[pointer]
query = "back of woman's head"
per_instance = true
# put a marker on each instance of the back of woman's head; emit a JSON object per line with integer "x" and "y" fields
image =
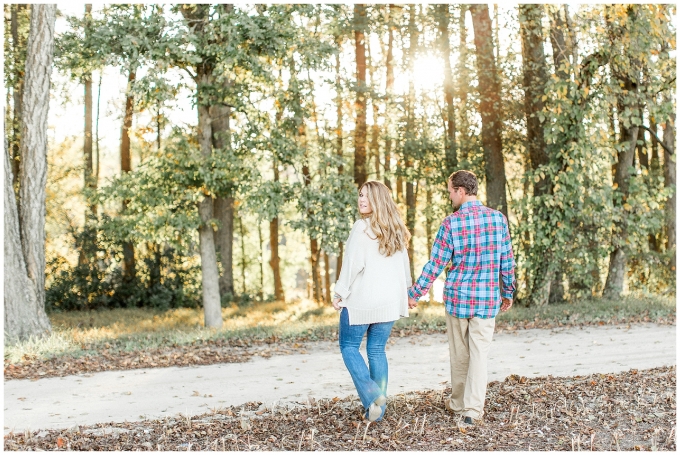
{"x": 385, "y": 219}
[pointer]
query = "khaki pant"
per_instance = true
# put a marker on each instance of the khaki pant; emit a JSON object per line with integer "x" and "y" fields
{"x": 469, "y": 343}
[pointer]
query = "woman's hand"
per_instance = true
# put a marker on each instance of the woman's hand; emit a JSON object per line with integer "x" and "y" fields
{"x": 336, "y": 303}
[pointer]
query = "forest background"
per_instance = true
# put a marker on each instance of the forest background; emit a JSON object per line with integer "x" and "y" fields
{"x": 209, "y": 155}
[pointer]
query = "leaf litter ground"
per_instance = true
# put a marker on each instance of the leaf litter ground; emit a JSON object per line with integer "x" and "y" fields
{"x": 634, "y": 410}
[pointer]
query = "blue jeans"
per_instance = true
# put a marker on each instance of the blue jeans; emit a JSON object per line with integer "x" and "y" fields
{"x": 371, "y": 381}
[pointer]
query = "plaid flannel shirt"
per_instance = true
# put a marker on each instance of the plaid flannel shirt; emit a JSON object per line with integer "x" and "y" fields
{"x": 476, "y": 240}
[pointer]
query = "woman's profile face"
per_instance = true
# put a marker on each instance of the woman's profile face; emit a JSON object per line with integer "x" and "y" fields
{"x": 364, "y": 205}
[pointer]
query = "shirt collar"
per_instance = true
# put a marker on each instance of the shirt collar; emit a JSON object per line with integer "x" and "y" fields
{"x": 470, "y": 204}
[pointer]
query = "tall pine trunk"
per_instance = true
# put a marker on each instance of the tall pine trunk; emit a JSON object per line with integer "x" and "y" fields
{"x": 129, "y": 265}
{"x": 463, "y": 84}
{"x": 489, "y": 109}
{"x": 360, "y": 103}
{"x": 339, "y": 140}
{"x": 24, "y": 282}
{"x": 450, "y": 155}
{"x": 389, "y": 84}
{"x": 375, "y": 129}
{"x": 410, "y": 128}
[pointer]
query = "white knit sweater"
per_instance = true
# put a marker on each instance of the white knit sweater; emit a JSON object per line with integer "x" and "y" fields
{"x": 373, "y": 287}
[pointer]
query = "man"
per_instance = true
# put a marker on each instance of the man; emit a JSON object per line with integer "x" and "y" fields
{"x": 476, "y": 239}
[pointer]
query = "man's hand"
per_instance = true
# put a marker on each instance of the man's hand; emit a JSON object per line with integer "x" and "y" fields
{"x": 412, "y": 303}
{"x": 506, "y": 305}
{"x": 336, "y": 303}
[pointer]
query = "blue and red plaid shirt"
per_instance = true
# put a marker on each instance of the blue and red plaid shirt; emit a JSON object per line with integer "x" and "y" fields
{"x": 476, "y": 239}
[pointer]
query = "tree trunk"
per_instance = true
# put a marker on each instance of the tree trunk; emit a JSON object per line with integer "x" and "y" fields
{"x": 654, "y": 162}
{"x": 410, "y": 128}
{"x": 199, "y": 16}
{"x": 669, "y": 180}
{"x": 209, "y": 271}
{"x": 88, "y": 173}
{"x": 389, "y": 84}
{"x": 129, "y": 264}
{"x": 463, "y": 85}
{"x": 314, "y": 250}
{"x": 242, "y": 237}
{"x": 95, "y": 180}
{"x": 275, "y": 261}
{"x": 24, "y": 314}
{"x": 535, "y": 79}
{"x": 572, "y": 43}
{"x": 400, "y": 181}
{"x": 360, "y": 103}
{"x": 17, "y": 91}
{"x": 375, "y": 130}
{"x": 489, "y": 109}
{"x": 25, "y": 230}
{"x": 260, "y": 293}
{"x": 339, "y": 137}
{"x": 617, "y": 260}
{"x": 628, "y": 109}
{"x": 223, "y": 205}
{"x": 558, "y": 41}
{"x": 450, "y": 142}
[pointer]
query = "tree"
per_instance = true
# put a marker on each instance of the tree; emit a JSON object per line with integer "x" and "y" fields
{"x": 18, "y": 18}
{"x": 410, "y": 142}
{"x": 220, "y": 113}
{"x": 360, "y": 27}
{"x": 88, "y": 168}
{"x": 489, "y": 109}
{"x": 628, "y": 109}
{"x": 450, "y": 117}
{"x": 389, "y": 85}
{"x": 198, "y": 19}
{"x": 535, "y": 80}
{"x": 25, "y": 231}
{"x": 129, "y": 268}
{"x": 670, "y": 179}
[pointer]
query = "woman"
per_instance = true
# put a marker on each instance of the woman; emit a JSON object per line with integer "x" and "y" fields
{"x": 371, "y": 292}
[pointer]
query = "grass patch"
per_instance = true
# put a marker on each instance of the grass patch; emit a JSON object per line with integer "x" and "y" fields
{"x": 80, "y": 333}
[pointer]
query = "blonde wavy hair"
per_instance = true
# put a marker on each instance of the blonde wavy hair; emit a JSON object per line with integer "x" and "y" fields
{"x": 385, "y": 219}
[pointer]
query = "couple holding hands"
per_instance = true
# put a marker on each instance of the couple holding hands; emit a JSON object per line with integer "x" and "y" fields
{"x": 374, "y": 290}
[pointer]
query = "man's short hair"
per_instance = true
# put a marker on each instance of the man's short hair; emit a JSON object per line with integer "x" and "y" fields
{"x": 466, "y": 180}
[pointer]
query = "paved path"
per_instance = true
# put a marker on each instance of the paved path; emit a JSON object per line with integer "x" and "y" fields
{"x": 416, "y": 363}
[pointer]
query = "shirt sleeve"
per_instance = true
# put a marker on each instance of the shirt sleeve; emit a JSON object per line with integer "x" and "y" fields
{"x": 353, "y": 262}
{"x": 441, "y": 253}
{"x": 507, "y": 264}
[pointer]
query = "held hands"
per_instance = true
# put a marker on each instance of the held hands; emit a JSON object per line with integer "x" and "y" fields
{"x": 506, "y": 305}
{"x": 336, "y": 303}
{"x": 412, "y": 303}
